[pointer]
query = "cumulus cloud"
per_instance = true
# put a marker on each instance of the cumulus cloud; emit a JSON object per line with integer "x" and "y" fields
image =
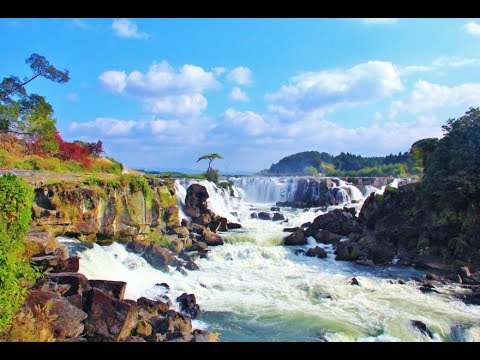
{"x": 378, "y": 21}
{"x": 426, "y": 96}
{"x": 163, "y": 89}
{"x": 327, "y": 90}
{"x": 472, "y": 28}
{"x": 239, "y": 95}
{"x": 240, "y": 75}
{"x": 128, "y": 29}
{"x": 251, "y": 122}
{"x": 219, "y": 70}
{"x": 107, "y": 126}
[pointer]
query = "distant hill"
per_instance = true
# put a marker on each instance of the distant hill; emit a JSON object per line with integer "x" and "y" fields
{"x": 344, "y": 164}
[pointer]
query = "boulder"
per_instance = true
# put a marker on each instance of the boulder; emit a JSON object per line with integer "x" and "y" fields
{"x": 264, "y": 216}
{"x": 234, "y": 225}
{"x": 135, "y": 247}
{"x": 420, "y": 325}
{"x": 254, "y": 215}
{"x": 114, "y": 288}
{"x": 291, "y": 230}
{"x": 196, "y": 200}
{"x": 188, "y": 304}
{"x": 317, "y": 251}
{"x": 176, "y": 245}
{"x": 296, "y": 238}
{"x": 68, "y": 322}
{"x": 151, "y": 306}
{"x": 191, "y": 265}
{"x": 109, "y": 319}
{"x": 353, "y": 281}
{"x": 181, "y": 231}
{"x": 144, "y": 328}
{"x": 275, "y": 208}
{"x": 326, "y": 237}
{"x": 200, "y": 336}
{"x": 367, "y": 262}
{"x": 212, "y": 239}
{"x": 336, "y": 221}
{"x": 159, "y": 257}
{"x": 172, "y": 321}
{"x": 278, "y": 216}
{"x": 78, "y": 282}
{"x": 72, "y": 264}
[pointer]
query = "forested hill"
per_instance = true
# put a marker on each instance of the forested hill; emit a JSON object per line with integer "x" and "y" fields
{"x": 345, "y": 164}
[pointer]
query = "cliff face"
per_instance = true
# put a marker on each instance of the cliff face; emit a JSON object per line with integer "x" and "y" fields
{"x": 105, "y": 211}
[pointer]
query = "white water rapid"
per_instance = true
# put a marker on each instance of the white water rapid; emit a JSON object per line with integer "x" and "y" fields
{"x": 255, "y": 289}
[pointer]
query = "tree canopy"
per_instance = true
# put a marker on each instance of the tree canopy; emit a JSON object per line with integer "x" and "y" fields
{"x": 210, "y": 158}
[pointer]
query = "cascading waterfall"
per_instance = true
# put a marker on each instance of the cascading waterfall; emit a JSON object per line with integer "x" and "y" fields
{"x": 254, "y": 289}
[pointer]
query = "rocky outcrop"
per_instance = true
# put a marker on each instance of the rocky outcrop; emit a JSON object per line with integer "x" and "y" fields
{"x": 296, "y": 238}
{"x": 127, "y": 208}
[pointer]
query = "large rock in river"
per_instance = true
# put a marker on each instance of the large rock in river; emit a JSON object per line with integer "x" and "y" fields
{"x": 296, "y": 238}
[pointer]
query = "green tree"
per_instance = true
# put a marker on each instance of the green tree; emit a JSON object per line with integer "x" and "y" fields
{"x": 24, "y": 114}
{"x": 421, "y": 151}
{"x": 16, "y": 198}
{"x": 210, "y": 158}
{"x": 310, "y": 171}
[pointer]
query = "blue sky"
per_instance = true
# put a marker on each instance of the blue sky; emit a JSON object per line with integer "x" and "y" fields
{"x": 162, "y": 92}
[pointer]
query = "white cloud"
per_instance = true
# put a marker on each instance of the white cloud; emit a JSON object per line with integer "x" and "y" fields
{"x": 323, "y": 91}
{"x": 163, "y": 89}
{"x": 219, "y": 70}
{"x": 239, "y": 95}
{"x": 427, "y": 96}
{"x": 438, "y": 63}
{"x": 128, "y": 29}
{"x": 107, "y": 126}
{"x": 73, "y": 97}
{"x": 378, "y": 21}
{"x": 241, "y": 75}
{"x": 472, "y": 28}
{"x": 252, "y": 123}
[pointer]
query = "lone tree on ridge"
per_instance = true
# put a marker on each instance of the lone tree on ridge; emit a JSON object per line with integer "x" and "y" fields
{"x": 210, "y": 158}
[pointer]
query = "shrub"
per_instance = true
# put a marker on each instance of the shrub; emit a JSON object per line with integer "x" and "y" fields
{"x": 32, "y": 326}
{"x": 16, "y": 199}
{"x": 212, "y": 175}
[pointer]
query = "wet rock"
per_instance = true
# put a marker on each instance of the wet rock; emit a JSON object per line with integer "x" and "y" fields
{"x": 151, "y": 306}
{"x": 176, "y": 245}
{"x": 159, "y": 257}
{"x": 135, "y": 247}
{"x": 188, "y": 304}
{"x": 299, "y": 252}
{"x": 326, "y": 237}
{"x": 416, "y": 278}
{"x": 78, "y": 283}
{"x": 296, "y": 238}
{"x": 212, "y": 239}
{"x": 178, "y": 336}
{"x": 420, "y": 325}
{"x": 430, "y": 276}
{"x": 181, "y": 271}
{"x": 197, "y": 246}
{"x": 181, "y": 231}
{"x": 264, "y": 216}
{"x": 401, "y": 281}
{"x": 291, "y": 229}
{"x": 114, "y": 288}
{"x": 306, "y": 225}
{"x": 254, "y": 215}
{"x": 317, "y": 251}
{"x": 134, "y": 339}
{"x": 275, "y": 208}
{"x": 109, "y": 319}
{"x": 234, "y": 226}
{"x": 196, "y": 200}
{"x": 144, "y": 328}
{"x": 165, "y": 285}
{"x": 191, "y": 266}
{"x": 426, "y": 290}
{"x": 200, "y": 336}
{"x": 367, "y": 262}
{"x": 336, "y": 221}
{"x": 185, "y": 223}
{"x": 464, "y": 272}
{"x": 353, "y": 281}
{"x": 278, "y": 216}
{"x": 172, "y": 321}
{"x": 72, "y": 264}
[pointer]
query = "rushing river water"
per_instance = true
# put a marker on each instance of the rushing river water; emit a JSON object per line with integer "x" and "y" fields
{"x": 254, "y": 289}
